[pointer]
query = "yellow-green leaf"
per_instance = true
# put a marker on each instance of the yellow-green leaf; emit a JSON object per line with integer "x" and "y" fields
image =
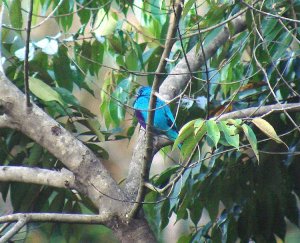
{"x": 185, "y": 132}
{"x": 44, "y": 91}
{"x": 235, "y": 122}
{"x": 267, "y": 129}
{"x": 198, "y": 125}
{"x": 191, "y": 142}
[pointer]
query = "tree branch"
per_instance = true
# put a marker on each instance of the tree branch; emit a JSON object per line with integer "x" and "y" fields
{"x": 54, "y": 218}
{"x": 79, "y": 159}
{"x": 14, "y": 230}
{"x": 261, "y": 111}
{"x": 26, "y": 62}
{"x": 70, "y": 151}
{"x": 5, "y": 121}
{"x": 173, "y": 84}
{"x": 86, "y": 167}
{"x": 140, "y": 164}
{"x": 60, "y": 179}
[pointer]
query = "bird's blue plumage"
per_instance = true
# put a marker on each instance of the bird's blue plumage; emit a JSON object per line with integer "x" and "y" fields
{"x": 164, "y": 122}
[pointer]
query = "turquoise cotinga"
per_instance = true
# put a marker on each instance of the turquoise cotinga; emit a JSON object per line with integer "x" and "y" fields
{"x": 164, "y": 122}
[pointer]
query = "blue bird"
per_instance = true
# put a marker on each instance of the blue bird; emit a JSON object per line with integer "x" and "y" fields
{"x": 164, "y": 122}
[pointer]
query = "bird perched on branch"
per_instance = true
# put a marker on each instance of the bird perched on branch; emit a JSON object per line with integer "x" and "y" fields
{"x": 164, "y": 122}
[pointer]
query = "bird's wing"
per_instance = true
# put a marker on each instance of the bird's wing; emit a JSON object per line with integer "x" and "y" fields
{"x": 167, "y": 124}
{"x": 141, "y": 105}
{"x": 170, "y": 118}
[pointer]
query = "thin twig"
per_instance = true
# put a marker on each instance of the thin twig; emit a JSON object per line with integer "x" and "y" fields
{"x": 37, "y": 25}
{"x": 26, "y": 62}
{"x": 205, "y": 64}
{"x": 269, "y": 14}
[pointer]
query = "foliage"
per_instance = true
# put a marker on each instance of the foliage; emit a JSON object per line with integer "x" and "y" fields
{"x": 226, "y": 168}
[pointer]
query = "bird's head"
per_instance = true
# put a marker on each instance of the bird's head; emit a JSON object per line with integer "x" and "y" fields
{"x": 144, "y": 91}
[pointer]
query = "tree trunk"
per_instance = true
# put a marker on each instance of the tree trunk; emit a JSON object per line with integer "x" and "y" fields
{"x": 137, "y": 231}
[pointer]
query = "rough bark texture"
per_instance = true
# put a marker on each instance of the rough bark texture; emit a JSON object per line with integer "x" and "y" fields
{"x": 91, "y": 177}
{"x": 136, "y": 231}
{"x": 87, "y": 168}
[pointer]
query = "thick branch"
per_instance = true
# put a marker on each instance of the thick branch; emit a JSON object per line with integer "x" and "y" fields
{"x": 133, "y": 179}
{"x": 173, "y": 84}
{"x": 135, "y": 231}
{"x": 60, "y": 179}
{"x": 5, "y": 121}
{"x": 37, "y": 125}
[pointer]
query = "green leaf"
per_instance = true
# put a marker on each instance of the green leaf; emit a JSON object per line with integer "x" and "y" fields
{"x": 43, "y": 91}
{"x": 105, "y": 112}
{"x": 57, "y": 203}
{"x": 97, "y": 49}
{"x": 268, "y": 28}
{"x": 230, "y": 134}
{"x": 202, "y": 233}
{"x": 84, "y": 16}
{"x": 191, "y": 142}
{"x": 98, "y": 150}
{"x": 153, "y": 62}
{"x": 196, "y": 210}
{"x": 105, "y": 24}
{"x": 198, "y": 125}
{"x": 67, "y": 96}
{"x": 62, "y": 69}
{"x": 251, "y": 138}
{"x": 18, "y": 193}
{"x": 131, "y": 61}
{"x": 186, "y": 131}
{"x": 235, "y": 122}
{"x": 185, "y": 238}
{"x": 95, "y": 126}
{"x": 15, "y": 14}
{"x": 165, "y": 208}
{"x": 267, "y": 129}
{"x": 35, "y": 9}
{"x": 65, "y": 8}
{"x": 213, "y": 131}
{"x": 119, "y": 98}
{"x": 225, "y": 78}
{"x": 45, "y": 5}
{"x": 165, "y": 175}
{"x": 35, "y": 155}
{"x": 280, "y": 48}
{"x": 187, "y": 6}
